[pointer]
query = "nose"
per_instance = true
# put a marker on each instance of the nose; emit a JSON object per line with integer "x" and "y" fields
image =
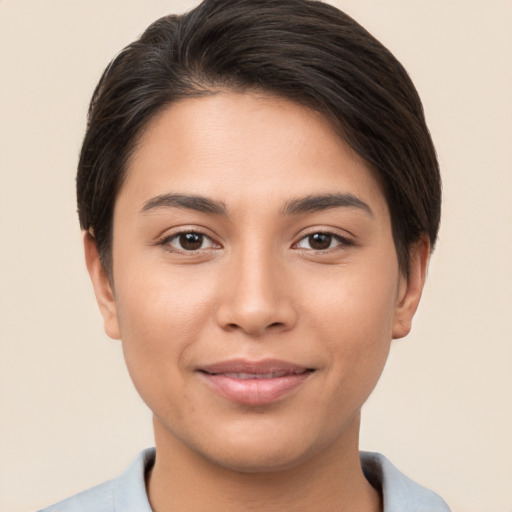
{"x": 255, "y": 295}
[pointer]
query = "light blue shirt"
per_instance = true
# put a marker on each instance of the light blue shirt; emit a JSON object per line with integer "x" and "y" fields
{"x": 127, "y": 492}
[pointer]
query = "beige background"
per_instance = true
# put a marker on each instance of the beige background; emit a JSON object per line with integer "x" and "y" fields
{"x": 69, "y": 417}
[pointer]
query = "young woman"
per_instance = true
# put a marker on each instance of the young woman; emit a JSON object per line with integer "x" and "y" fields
{"x": 259, "y": 196}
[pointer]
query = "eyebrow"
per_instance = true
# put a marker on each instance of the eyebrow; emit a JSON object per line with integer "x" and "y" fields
{"x": 310, "y": 203}
{"x": 190, "y": 202}
{"x": 324, "y": 202}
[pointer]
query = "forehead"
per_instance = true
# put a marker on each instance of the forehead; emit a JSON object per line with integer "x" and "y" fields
{"x": 244, "y": 149}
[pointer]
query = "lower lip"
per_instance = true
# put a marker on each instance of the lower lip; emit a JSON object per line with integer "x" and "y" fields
{"x": 254, "y": 391}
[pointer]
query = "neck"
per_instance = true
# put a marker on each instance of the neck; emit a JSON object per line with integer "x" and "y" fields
{"x": 331, "y": 481}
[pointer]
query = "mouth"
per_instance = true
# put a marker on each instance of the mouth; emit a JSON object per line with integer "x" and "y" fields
{"x": 254, "y": 382}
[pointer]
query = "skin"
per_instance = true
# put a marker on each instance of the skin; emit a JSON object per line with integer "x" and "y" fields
{"x": 255, "y": 288}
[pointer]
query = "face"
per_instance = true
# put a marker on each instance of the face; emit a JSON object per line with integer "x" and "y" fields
{"x": 255, "y": 284}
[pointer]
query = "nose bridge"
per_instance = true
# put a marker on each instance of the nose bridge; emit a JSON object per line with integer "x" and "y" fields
{"x": 255, "y": 296}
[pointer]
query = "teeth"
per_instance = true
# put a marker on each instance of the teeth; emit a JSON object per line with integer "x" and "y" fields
{"x": 246, "y": 376}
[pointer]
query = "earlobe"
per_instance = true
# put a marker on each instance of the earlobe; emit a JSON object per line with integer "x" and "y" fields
{"x": 411, "y": 288}
{"x": 102, "y": 287}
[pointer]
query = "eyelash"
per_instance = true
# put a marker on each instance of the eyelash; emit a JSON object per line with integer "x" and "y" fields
{"x": 342, "y": 242}
{"x": 166, "y": 241}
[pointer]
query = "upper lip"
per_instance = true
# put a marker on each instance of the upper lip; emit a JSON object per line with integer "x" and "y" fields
{"x": 265, "y": 366}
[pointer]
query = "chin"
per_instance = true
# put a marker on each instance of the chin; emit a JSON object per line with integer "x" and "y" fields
{"x": 258, "y": 459}
{"x": 267, "y": 449}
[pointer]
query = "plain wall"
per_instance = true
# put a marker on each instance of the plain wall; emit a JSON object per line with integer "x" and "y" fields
{"x": 69, "y": 416}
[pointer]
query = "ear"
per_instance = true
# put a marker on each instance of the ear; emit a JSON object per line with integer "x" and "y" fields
{"x": 411, "y": 287}
{"x": 102, "y": 287}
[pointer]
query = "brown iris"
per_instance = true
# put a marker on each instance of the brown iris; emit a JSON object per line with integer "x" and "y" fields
{"x": 320, "y": 241}
{"x": 191, "y": 241}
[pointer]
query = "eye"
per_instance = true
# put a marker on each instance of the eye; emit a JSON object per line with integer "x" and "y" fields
{"x": 322, "y": 242}
{"x": 189, "y": 241}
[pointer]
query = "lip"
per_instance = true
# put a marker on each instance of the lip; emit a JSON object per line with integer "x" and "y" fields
{"x": 254, "y": 382}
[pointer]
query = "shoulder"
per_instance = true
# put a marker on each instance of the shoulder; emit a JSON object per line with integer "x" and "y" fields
{"x": 399, "y": 493}
{"x": 97, "y": 499}
{"x": 126, "y": 493}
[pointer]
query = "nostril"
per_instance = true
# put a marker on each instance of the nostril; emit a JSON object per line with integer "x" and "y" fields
{"x": 252, "y": 330}
{"x": 254, "y": 317}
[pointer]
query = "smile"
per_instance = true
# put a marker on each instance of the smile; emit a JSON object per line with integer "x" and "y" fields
{"x": 254, "y": 383}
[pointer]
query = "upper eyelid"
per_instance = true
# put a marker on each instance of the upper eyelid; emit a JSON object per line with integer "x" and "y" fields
{"x": 343, "y": 240}
{"x": 339, "y": 233}
{"x": 168, "y": 238}
{"x": 169, "y": 234}
{"x": 167, "y": 243}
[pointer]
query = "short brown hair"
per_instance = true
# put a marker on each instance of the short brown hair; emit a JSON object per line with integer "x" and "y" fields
{"x": 306, "y": 51}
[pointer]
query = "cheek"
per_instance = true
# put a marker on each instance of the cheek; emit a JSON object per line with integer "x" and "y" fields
{"x": 160, "y": 314}
{"x": 156, "y": 300}
{"x": 357, "y": 301}
{"x": 353, "y": 316}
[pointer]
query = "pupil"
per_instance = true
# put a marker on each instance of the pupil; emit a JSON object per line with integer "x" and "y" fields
{"x": 191, "y": 241}
{"x": 320, "y": 241}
